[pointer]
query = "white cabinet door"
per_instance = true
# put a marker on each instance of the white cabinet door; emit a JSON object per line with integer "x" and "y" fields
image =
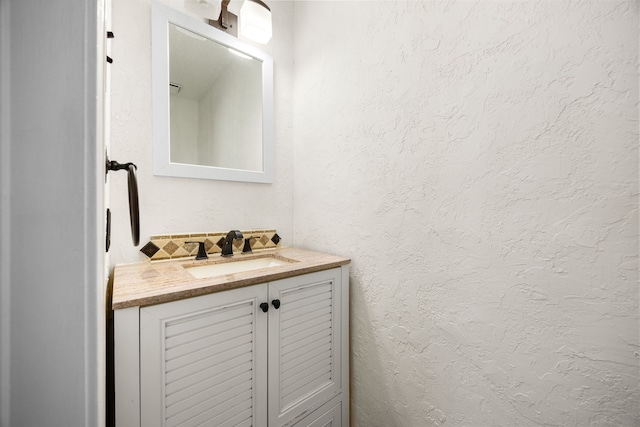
{"x": 323, "y": 417}
{"x": 304, "y": 344}
{"x": 203, "y": 361}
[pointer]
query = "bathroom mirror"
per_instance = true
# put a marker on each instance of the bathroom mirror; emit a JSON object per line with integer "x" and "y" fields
{"x": 212, "y": 102}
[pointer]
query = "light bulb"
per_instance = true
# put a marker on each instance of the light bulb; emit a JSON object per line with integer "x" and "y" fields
{"x": 255, "y": 21}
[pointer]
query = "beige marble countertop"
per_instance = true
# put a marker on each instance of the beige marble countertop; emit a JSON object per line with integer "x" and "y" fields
{"x": 156, "y": 282}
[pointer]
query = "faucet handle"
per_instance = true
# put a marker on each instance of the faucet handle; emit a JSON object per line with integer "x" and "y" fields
{"x": 247, "y": 245}
{"x": 202, "y": 252}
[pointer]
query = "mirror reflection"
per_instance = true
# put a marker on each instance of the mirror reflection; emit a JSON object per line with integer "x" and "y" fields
{"x": 215, "y": 103}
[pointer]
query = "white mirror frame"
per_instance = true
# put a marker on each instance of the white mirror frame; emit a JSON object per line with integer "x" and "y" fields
{"x": 161, "y": 16}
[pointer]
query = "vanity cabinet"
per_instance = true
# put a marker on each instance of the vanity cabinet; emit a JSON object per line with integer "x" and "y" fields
{"x": 267, "y": 355}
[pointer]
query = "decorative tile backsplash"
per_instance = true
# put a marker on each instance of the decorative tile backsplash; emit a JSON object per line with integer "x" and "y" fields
{"x": 170, "y": 246}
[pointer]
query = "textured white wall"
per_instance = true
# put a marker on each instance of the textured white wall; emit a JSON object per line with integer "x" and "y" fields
{"x": 179, "y": 205}
{"x": 479, "y": 163}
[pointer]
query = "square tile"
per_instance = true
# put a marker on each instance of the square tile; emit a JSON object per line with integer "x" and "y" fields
{"x": 149, "y": 249}
{"x": 170, "y": 247}
{"x": 275, "y": 239}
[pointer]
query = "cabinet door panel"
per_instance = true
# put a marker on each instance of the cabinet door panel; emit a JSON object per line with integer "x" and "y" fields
{"x": 295, "y": 368}
{"x": 203, "y": 360}
{"x": 304, "y": 344}
{"x": 313, "y": 345}
{"x": 204, "y": 347}
{"x": 305, "y": 384}
{"x": 315, "y": 305}
{"x": 323, "y": 418}
{"x": 231, "y": 370}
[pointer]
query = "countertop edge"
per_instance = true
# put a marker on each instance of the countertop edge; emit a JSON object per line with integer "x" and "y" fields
{"x": 229, "y": 284}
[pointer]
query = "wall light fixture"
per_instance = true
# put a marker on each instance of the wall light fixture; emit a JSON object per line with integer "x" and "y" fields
{"x": 255, "y": 21}
{"x": 253, "y": 17}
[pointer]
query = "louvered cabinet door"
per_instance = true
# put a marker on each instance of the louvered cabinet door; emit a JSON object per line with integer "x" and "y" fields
{"x": 203, "y": 361}
{"x": 304, "y": 344}
{"x": 323, "y": 417}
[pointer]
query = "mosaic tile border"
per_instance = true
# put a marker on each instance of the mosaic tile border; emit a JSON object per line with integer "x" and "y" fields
{"x": 170, "y": 246}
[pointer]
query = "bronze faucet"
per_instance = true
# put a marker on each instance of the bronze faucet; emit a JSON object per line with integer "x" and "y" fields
{"x": 227, "y": 249}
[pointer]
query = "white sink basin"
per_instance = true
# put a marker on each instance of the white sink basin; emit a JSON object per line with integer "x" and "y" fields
{"x": 236, "y": 266}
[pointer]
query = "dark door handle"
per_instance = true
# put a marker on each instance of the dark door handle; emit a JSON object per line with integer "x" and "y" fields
{"x": 264, "y": 306}
{"x": 108, "y": 237}
{"x": 134, "y": 208}
{"x": 276, "y": 303}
